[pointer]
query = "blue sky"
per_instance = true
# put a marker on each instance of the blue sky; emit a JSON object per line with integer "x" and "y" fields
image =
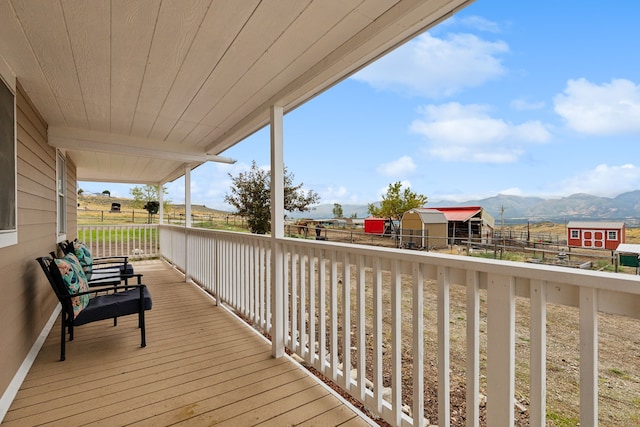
{"x": 521, "y": 98}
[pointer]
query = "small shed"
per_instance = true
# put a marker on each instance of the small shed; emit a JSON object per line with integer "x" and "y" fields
{"x": 468, "y": 223}
{"x": 628, "y": 255}
{"x": 596, "y": 234}
{"x": 374, "y": 225}
{"x": 423, "y": 228}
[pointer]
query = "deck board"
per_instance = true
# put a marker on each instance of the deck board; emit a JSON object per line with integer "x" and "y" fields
{"x": 201, "y": 366}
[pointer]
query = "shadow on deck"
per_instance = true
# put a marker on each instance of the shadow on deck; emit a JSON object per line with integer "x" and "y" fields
{"x": 201, "y": 366}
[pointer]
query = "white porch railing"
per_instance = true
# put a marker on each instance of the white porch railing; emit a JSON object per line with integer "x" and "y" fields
{"x": 137, "y": 241}
{"x": 363, "y": 308}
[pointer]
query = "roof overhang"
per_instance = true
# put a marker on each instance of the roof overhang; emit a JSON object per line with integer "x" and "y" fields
{"x": 138, "y": 91}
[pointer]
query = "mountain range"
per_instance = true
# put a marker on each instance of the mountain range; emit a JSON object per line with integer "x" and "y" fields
{"x": 519, "y": 209}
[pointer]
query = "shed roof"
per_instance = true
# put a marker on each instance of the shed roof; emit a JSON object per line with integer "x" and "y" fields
{"x": 628, "y": 248}
{"x": 430, "y": 216}
{"x": 460, "y": 213}
{"x": 596, "y": 224}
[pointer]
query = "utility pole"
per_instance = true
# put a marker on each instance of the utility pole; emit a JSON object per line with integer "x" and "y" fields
{"x": 502, "y": 226}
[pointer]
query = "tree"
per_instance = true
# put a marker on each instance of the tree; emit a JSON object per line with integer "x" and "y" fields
{"x": 106, "y": 193}
{"x": 148, "y": 193}
{"x": 337, "y": 210}
{"x": 80, "y": 191}
{"x": 396, "y": 202}
{"x": 251, "y": 197}
{"x": 152, "y": 206}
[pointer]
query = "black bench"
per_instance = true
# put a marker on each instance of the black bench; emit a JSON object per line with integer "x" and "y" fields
{"x": 108, "y": 302}
{"x": 100, "y": 267}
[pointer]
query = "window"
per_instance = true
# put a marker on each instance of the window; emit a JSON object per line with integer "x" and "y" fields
{"x": 612, "y": 235}
{"x": 8, "y": 181}
{"x": 575, "y": 234}
{"x": 61, "y": 191}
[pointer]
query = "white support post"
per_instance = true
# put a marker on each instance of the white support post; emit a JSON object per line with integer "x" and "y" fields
{"x": 473, "y": 348}
{"x": 187, "y": 220}
{"x": 418, "y": 344}
{"x": 444, "y": 348}
{"x": 277, "y": 232}
{"x": 187, "y": 197}
{"x": 538, "y": 356}
{"x": 501, "y": 313}
{"x": 396, "y": 342}
{"x": 588, "y": 357}
{"x": 160, "y": 204}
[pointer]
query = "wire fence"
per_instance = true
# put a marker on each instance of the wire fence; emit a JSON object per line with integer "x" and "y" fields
{"x": 140, "y": 216}
{"x": 544, "y": 248}
{"x": 540, "y": 248}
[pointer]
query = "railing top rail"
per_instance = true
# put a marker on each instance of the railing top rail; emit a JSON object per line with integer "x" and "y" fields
{"x": 554, "y": 274}
{"x": 550, "y": 273}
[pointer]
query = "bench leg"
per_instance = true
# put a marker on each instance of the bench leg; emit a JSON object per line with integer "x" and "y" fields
{"x": 63, "y": 338}
{"x": 143, "y": 339}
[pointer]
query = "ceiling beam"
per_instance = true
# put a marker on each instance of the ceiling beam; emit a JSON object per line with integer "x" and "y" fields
{"x": 92, "y": 141}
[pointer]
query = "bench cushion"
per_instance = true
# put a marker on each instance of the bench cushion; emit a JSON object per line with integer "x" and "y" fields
{"x": 75, "y": 281}
{"x": 113, "y": 305}
{"x": 84, "y": 256}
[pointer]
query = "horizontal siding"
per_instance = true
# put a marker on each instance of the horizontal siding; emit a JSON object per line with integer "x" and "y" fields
{"x": 27, "y": 298}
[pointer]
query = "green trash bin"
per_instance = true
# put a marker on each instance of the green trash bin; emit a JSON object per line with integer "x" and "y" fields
{"x": 629, "y": 260}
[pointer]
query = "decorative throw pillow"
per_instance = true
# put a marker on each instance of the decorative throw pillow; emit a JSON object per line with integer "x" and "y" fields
{"x": 84, "y": 256}
{"x": 75, "y": 280}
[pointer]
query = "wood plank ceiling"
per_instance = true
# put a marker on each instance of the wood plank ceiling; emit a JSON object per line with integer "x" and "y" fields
{"x": 135, "y": 91}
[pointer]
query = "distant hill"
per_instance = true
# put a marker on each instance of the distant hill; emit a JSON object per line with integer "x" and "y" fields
{"x": 326, "y": 211}
{"x": 103, "y": 202}
{"x": 519, "y": 209}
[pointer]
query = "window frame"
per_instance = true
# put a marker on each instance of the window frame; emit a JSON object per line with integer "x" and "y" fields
{"x": 575, "y": 233}
{"x": 61, "y": 196}
{"x": 9, "y": 237}
{"x": 614, "y": 233}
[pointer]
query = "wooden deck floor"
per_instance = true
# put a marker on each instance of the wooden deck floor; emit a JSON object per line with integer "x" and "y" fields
{"x": 201, "y": 366}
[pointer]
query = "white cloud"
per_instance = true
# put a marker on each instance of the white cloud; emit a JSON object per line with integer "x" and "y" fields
{"x": 525, "y": 105}
{"x": 474, "y": 22}
{"x": 437, "y": 67}
{"x": 397, "y": 168}
{"x": 513, "y": 191}
{"x": 333, "y": 195}
{"x": 603, "y": 180}
{"x": 210, "y": 182}
{"x": 479, "y": 23}
{"x": 456, "y": 132}
{"x": 610, "y": 108}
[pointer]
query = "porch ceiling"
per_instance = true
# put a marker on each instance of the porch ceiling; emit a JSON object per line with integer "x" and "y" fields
{"x": 135, "y": 91}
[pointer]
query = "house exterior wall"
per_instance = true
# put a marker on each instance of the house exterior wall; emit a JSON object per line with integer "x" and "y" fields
{"x": 27, "y": 299}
